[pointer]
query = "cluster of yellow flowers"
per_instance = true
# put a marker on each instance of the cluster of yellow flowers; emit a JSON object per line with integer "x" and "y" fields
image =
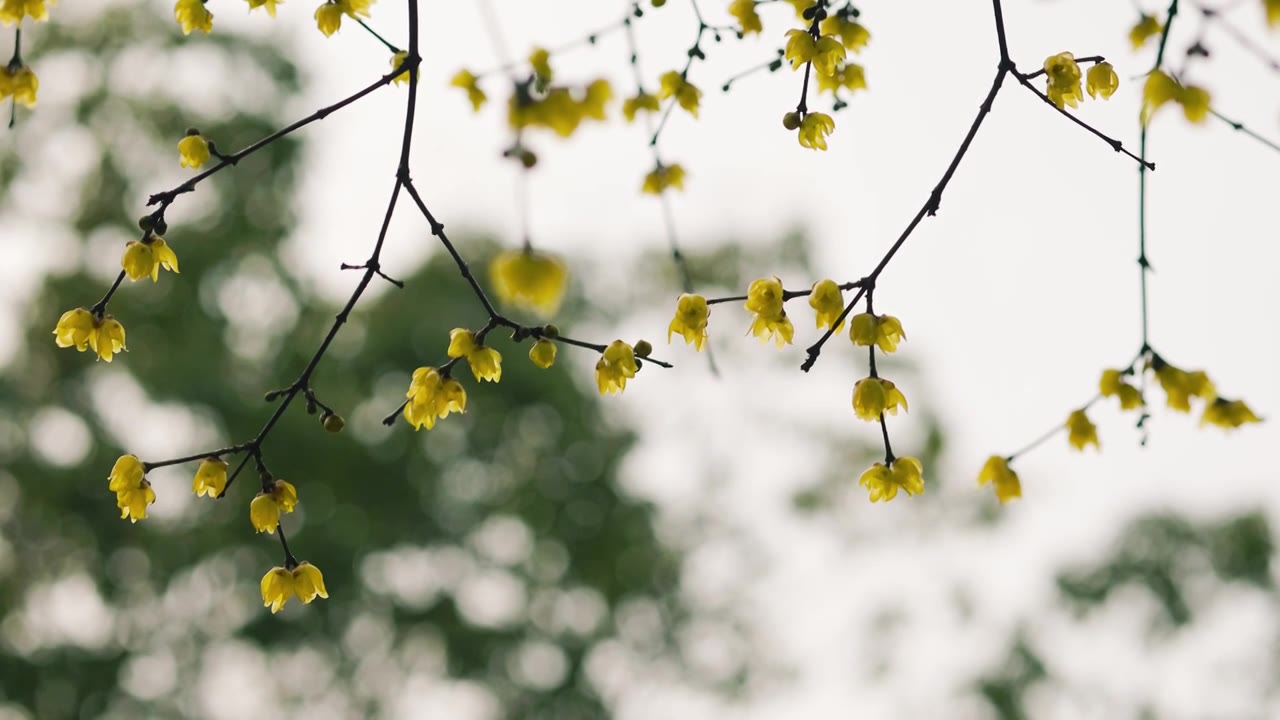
{"x": 133, "y": 491}
{"x": 824, "y": 47}
{"x": 1063, "y": 76}
{"x": 537, "y": 103}
{"x": 82, "y": 329}
{"x": 1160, "y": 88}
{"x": 17, "y": 80}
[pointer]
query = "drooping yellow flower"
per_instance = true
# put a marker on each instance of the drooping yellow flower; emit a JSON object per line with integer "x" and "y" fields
{"x": 997, "y": 472}
{"x": 882, "y": 483}
{"x": 690, "y": 320}
{"x": 1080, "y": 431}
{"x": 143, "y": 258}
{"x": 211, "y": 477}
{"x": 485, "y": 362}
{"x": 465, "y": 80}
{"x": 543, "y": 353}
{"x": 270, "y": 5}
{"x": 127, "y": 474}
{"x": 308, "y": 582}
{"x": 557, "y": 111}
{"x": 597, "y": 96}
{"x": 265, "y": 509}
{"x": 193, "y": 15}
{"x": 852, "y": 35}
{"x": 744, "y": 11}
{"x": 1228, "y": 414}
{"x": 133, "y": 502}
{"x": 1180, "y": 386}
{"x": 814, "y": 129}
{"x": 1102, "y": 80}
{"x": 529, "y": 279}
{"x": 1273, "y": 12}
{"x": 765, "y": 298}
{"x": 1146, "y": 28}
{"x": 107, "y": 338}
{"x": 642, "y": 101}
{"x": 1063, "y": 76}
{"x": 883, "y": 331}
{"x": 828, "y": 55}
{"x": 540, "y": 61}
{"x": 75, "y": 329}
{"x": 872, "y": 397}
{"x": 616, "y": 365}
{"x": 850, "y": 76}
{"x": 21, "y": 83}
{"x": 329, "y": 18}
{"x": 355, "y": 8}
{"x": 396, "y": 60}
{"x": 1161, "y": 88}
{"x": 663, "y": 177}
{"x": 1112, "y": 383}
{"x": 432, "y": 397}
{"x": 827, "y": 302}
{"x": 193, "y": 151}
{"x": 1195, "y": 103}
{"x": 800, "y": 48}
{"x": 674, "y": 84}
{"x": 12, "y": 11}
{"x": 304, "y": 582}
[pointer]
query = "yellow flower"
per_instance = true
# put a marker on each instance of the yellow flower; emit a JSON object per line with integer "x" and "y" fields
{"x": 193, "y": 151}
{"x": 850, "y": 76}
{"x": 270, "y": 5}
{"x": 1195, "y": 103}
{"x": 852, "y": 35}
{"x": 465, "y": 80}
{"x": 1102, "y": 80}
{"x": 432, "y": 397}
{"x": 133, "y": 502}
{"x": 829, "y": 53}
{"x": 1160, "y": 89}
{"x": 127, "y": 474}
{"x": 663, "y": 177}
{"x": 882, "y": 483}
{"x": 642, "y": 101}
{"x": 193, "y": 15}
{"x": 76, "y": 329}
{"x": 1180, "y": 386}
{"x": 690, "y": 320}
{"x": 1112, "y": 383}
{"x": 814, "y": 130}
{"x": 146, "y": 258}
{"x": 1080, "y": 431}
{"x": 20, "y": 82}
{"x": 107, "y": 338}
{"x": 304, "y": 582}
{"x": 329, "y": 18}
{"x": 396, "y": 60}
{"x": 674, "y": 84}
{"x": 598, "y": 93}
{"x": 529, "y": 279}
{"x": 883, "y": 331}
{"x": 12, "y": 11}
{"x": 356, "y": 7}
{"x": 765, "y": 298}
{"x": 540, "y": 60}
{"x": 800, "y": 49}
{"x": 1228, "y": 414}
{"x": 997, "y": 472}
{"x": 744, "y": 11}
{"x": 543, "y": 353}
{"x": 267, "y": 506}
{"x": 1273, "y": 12}
{"x": 617, "y": 363}
{"x": 872, "y": 397}
{"x": 828, "y": 302}
{"x": 485, "y": 362}
{"x": 211, "y": 477}
{"x": 1146, "y": 28}
{"x": 308, "y": 582}
{"x": 1063, "y": 75}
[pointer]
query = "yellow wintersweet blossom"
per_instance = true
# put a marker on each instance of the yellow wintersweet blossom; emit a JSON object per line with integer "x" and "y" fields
{"x": 465, "y": 80}
{"x": 431, "y": 397}
{"x": 1101, "y": 80}
{"x": 642, "y": 101}
{"x": 12, "y": 11}
{"x": 1228, "y": 414}
{"x": 1112, "y": 383}
{"x": 133, "y": 491}
{"x": 997, "y": 472}
{"x": 662, "y": 177}
{"x": 597, "y": 95}
{"x": 108, "y": 337}
{"x": 1063, "y": 76}
{"x": 146, "y": 257}
{"x": 673, "y": 84}
{"x": 267, "y": 506}
{"x": 616, "y": 365}
{"x": 304, "y": 582}
{"x": 828, "y": 55}
{"x": 690, "y": 320}
{"x": 882, "y": 483}
{"x": 529, "y": 279}
{"x": 1146, "y": 28}
{"x": 540, "y": 61}
{"x": 850, "y": 76}
{"x": 828, "y": 302}
{"x": 800, "y": 48}
{"x": 270, "y": 5}
{"x": 396, "y": 60}
{"x": 1160, "y": 88}
{"x": 485, "y": 362}
{"x": 80, "y": 329}
{"x": 872, "y": 397}
{"x": 211, "y": 477}
{"x": 814, "y": 129}
{"x": 21, "y": 83}
{"x": 765, "y": 298}
{"x": 883, "y": 331}
{"x": 1272, "y": 7}
{"x": 193, "y": 15}
{"x": 193, "y": 151}
{"x": 1080, "y": 431}
{"x": 329, "y": 17}
{"x": 852, "y": 34}
{"x": 1180, "y": 386}
{"x": 543, "y": 353}
{"x": 744, "y": 11}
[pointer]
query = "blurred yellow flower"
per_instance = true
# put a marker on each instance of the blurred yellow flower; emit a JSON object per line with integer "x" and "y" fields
{"x": 1161, "y": 88}
{"x": 211, "y": 477}
{"x": 690, "y": 320}
{"x": 543, "y": 353}
{"x": 674, "y": 84}
{"x": 540, "y": 61}
{"x": 997, "y": 472}
{"x": 529, "y": 279}
{"x": 616, "y": 365}
{"x": 1112, "y": 383}
{"x": 800, "y": 48}
{"x": 270, "y": 5}
{"x": 827, "y": 302}
{"x": 642, "y": 101}
{"x": 744, "y": 11}
{"x": 850, "y": 76}
{"x": 21, "y": 83}
{"x": 193, "y": 15}
{"x": 329, "y": 17}
{"x": 663, "y": 177}
{"x": 1063, "y": 76}
{"x": 145, "y": 258}
{"x": 1146, "y": 28}
{"x": 12, "y": 11}
{"x": 396, "y": 60}
{"x": 1180, "y": 386}
{"x": 1228, "y": 414}
{"x": 1080, "y": 431}
{"x": 1272, "y": 7}
{"x": 814, "y": 129}
{"x": 852, "y": 35}
{"x": 1102, "y": 80}
{"x": 465, "y": 80}
{"x": 267, "y": 506}
{"x": 828, "y": 54}
{"x": 597, "y": 95}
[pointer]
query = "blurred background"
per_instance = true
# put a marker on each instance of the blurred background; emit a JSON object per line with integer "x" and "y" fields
{"x": 698, "y": 546}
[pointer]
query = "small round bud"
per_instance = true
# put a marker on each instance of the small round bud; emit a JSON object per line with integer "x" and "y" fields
{"x": 332, "y": 422}
{"x": 528, "y": 159}
{"x": 146, "y": 223}
{"x": 791, "y": 120}
{"x": 659, "y": 3}
{"x": 550, "y": 331}
{"x": 192, "y": 131}
{"x": 160, "y": 227}
{"x": 643, "y": 348}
